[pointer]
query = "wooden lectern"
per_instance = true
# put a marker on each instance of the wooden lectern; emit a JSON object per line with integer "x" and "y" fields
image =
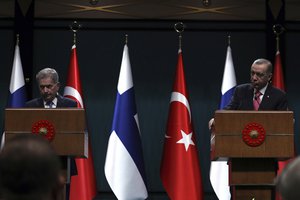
{"x": 253, "y": 141}
{"x": 68, "y": 125}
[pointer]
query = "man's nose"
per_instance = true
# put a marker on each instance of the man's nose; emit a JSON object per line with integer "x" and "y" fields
{"x": 254, "y": 77}
{"x": 45, "y": 89}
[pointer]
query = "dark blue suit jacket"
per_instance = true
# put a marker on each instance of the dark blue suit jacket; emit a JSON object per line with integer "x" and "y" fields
{"x": 61, "y": 103}
{"x": 242, "y": 99}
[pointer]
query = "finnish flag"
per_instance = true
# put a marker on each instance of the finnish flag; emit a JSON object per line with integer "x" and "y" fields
{"x": 124, "y": 165}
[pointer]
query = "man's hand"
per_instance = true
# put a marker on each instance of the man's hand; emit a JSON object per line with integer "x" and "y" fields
{"x": 211, "y": 123}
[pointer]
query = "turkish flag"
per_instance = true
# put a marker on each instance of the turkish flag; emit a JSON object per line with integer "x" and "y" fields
{"x": 83, "y": 185}
{"x": 278, "y": 82}
{"x": 180, "y": 171}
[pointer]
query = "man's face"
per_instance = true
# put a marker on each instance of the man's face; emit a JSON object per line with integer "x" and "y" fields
{"x": 48, "y": 89}
{"x": 259, "y": 75}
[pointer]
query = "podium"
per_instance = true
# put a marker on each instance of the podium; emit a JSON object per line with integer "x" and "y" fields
{"x": 65, "y": 127}
{"x": 252, "y": 142}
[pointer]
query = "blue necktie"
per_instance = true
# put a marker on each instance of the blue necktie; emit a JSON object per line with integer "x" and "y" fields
{"x": 50, "y": 104}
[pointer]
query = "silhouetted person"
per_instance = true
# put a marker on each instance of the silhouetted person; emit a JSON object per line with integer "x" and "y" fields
{"x": 269, "y": 97}
{"x": 48, "y": 83}
{"x": 288, "y": 182}
{"x": 259, "y": 91}
{"x": 30, "y": 170}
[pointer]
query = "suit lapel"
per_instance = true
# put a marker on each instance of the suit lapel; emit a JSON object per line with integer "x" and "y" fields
{"x": 40, "y": 103}
{"x": 249, "y": 98}
{"x": 59, "y": 101}
{"x": 266, "y": 98}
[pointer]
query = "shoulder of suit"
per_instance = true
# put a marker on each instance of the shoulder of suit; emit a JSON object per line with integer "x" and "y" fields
{"x": 33, "y": 102}
{"x": 244, "y": 86}
{"x": 70, "y": 101}
{"x": 66, "y": 102}
{"x": 277, "y": 90}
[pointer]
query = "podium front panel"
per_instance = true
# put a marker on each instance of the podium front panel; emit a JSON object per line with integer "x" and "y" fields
{"x": 70, "y": 138}
{"x": 278, "y": 141}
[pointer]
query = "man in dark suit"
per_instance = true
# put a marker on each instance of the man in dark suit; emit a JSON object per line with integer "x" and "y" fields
{"x": 48, "y": 82}
{"x": 257, "y": 95}
{"x": 259, "y": 90}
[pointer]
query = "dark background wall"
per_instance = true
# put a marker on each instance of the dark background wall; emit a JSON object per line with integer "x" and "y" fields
{"x": 153, "y": 47}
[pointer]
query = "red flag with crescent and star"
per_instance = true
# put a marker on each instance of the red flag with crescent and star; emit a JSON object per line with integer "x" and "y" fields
{"x": 83, "y": 185}
{"x": 180, "y": 170}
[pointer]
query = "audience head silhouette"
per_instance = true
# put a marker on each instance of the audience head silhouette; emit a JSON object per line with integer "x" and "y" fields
{"x": 288, "y": 181}
{"x": 29, "y": 169}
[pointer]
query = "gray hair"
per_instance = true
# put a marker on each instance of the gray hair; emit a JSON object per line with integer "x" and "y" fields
{"x": 47, "y": 72}
{"x": 261, "y": 61}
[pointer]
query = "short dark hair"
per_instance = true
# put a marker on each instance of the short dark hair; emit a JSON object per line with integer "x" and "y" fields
{"x": 29, "y": 168}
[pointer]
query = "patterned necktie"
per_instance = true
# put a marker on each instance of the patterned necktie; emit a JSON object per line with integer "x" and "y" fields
{"x": 256, "y": 100}
{"x": 49, "y": 104}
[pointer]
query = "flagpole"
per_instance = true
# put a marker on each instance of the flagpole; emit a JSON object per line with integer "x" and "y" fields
{"x": 219, "y": 170}
{"x": 278, "y": 29}
{"x": 277, "y": 42}
{"x": 17, "y": 39}
{"x": 124, "y": 157}
{"x": 126, "y": 39}
{"x": 75, "y": 28}
{"x": 180, "y": 170}
{"x": 83, "y": 184}
{"x": 179, "y": 28}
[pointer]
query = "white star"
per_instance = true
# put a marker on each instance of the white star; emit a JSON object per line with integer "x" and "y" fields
{"x": 186, "y": 139}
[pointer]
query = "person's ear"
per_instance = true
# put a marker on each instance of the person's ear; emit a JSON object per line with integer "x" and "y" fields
{"x": 270, "y": 77}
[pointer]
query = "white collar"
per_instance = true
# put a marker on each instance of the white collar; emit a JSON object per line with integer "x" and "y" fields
{"x": 263, "y": 90}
